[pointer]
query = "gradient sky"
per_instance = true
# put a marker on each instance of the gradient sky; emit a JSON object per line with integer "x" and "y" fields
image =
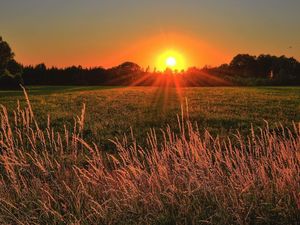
{"x": 106, "y": 33}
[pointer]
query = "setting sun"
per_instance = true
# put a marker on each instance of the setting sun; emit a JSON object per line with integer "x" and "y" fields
{"x": 171, "y": 59}
{"x": 171, "y": 62}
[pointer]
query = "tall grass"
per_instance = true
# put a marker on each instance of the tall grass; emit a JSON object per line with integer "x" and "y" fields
{"x": 48, "y": 177}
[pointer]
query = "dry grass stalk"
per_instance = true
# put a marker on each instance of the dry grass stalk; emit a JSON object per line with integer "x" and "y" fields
{"x": 189, "y": 178}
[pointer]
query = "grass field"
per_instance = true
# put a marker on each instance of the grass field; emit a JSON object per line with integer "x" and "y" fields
{"x": 113, "y": 111}
{"x": 182, "y": 174}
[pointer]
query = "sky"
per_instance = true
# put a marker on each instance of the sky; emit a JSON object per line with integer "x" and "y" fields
{"x": 108, "y": 32}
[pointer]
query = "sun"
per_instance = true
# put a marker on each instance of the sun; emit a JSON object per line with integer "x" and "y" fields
{"x": 171, "y": 62}
{"x": 170, "y": 59}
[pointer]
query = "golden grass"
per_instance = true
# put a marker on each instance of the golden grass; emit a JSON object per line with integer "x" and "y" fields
{"x": 48, "y": 177}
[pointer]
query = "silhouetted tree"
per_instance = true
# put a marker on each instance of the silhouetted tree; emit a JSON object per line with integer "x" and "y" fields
{"x": 244, "y": 64}
{"x": 10, "y": 70}
{"x": 6, "y": 55}
{"x": 14, "y": 67}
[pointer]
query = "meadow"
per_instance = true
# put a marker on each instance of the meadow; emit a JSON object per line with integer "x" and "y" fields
{"x": 114, "y": 111}
{"x": 137, "y": 155}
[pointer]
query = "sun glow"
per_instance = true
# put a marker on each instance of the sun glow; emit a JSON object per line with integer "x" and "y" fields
{"x": 171, "y": 62}
{"x": 170, "y": 59}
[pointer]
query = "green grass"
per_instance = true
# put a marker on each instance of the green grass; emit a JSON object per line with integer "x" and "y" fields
{"x": 182, "y": 176}
{"x": 112, "y": 111}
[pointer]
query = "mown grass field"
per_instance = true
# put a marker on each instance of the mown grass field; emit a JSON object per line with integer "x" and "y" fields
{"x": 53, "y": 174}
{"x": 113, "y": 111}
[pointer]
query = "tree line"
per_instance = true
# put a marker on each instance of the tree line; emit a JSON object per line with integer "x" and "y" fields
{"x": 244, "y": 69}
{"x": 264, "y": 69}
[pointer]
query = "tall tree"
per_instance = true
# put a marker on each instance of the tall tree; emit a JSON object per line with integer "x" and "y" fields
{"x": 10, "y": 70}
{"x": 6, "y": 55}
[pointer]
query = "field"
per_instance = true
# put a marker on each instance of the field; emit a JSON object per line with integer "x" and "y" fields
{"x": 137, "y": 155}
{"x": 114, "y": 111}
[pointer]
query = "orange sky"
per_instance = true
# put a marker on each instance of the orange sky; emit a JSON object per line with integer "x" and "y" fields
{"x": 146, "y": 51}
{"x": 143, "y": 50}
{"x": 107, "y": 33}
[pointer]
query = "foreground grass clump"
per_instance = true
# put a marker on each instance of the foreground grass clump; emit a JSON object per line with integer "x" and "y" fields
{"x": 189, "y": 178}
